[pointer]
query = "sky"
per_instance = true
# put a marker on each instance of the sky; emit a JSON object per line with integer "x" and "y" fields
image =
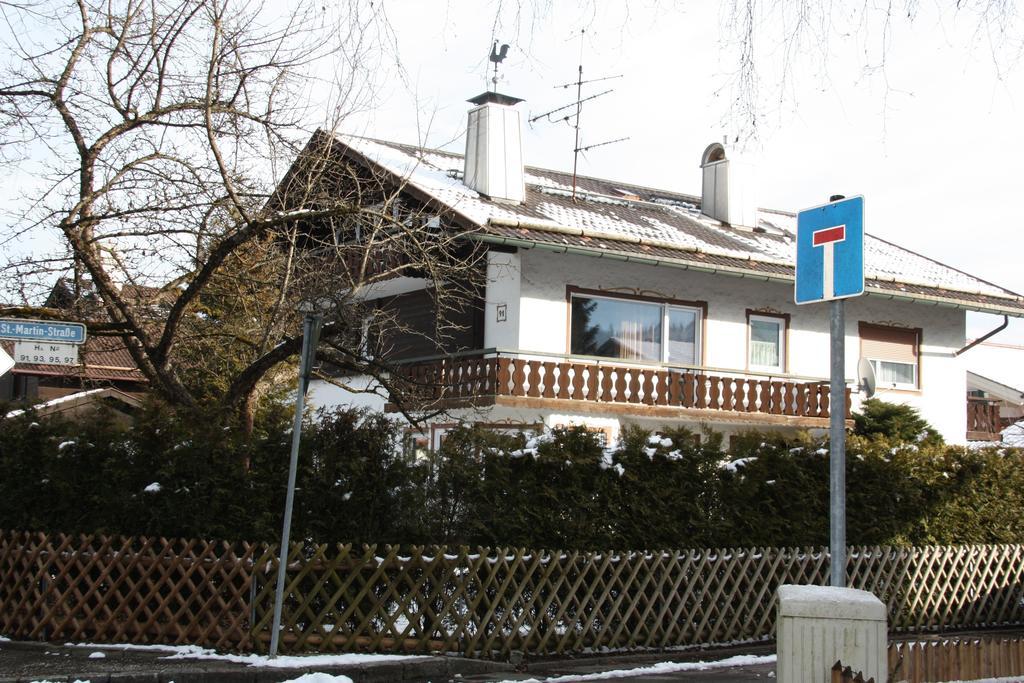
{"x": 922, "y": 117}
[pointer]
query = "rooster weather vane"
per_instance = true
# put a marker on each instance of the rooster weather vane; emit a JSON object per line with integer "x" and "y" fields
{"x": 497, "y": 56}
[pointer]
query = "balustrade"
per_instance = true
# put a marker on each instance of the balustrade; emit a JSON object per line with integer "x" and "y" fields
{"x": 586, "y": 380}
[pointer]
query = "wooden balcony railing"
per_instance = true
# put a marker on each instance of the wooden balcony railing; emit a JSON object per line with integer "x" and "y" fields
{"x": 983, "y": 421}
{"x": 464, "y": 378}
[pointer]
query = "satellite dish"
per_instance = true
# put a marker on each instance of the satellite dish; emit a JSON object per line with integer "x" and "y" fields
{"x": 866, "y": 377}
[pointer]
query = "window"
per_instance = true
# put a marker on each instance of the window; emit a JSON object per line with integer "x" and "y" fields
{"x": 766, "y": 342}
{"x": 634, "y": 329}
{"x": 893, "y": 353}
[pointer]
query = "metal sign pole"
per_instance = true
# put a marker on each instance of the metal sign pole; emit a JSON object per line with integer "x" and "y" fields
{"x": 837, "y": 457}
{"x": 830, "y": 267}
{"x": 310, "y": 326}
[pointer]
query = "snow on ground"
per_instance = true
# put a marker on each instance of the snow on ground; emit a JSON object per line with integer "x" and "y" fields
{"x": 124, "y": 646}
{"x": 659, "y": 668}
{"x": 280, "y": 662}
{"x": 319, "y": 678}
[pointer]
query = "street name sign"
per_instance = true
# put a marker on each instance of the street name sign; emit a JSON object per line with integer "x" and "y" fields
{"x": 830, "y": 251}
{"x": 45, "y": 353}
{"x": 42, "y": 330}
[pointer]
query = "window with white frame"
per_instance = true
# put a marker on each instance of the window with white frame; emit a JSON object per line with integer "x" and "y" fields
{"x": 766, "y": 343}
{"x": 893, "y": 353}
{"x": 634, "y": 329}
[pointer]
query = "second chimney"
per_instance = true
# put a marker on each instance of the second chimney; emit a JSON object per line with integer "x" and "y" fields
{"x": 728, "y": 192}
{"x": 494, "y": 148}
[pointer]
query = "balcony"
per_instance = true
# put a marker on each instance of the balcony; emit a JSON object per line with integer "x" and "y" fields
{"x": 983, "y": 421}
{"x": 588, "y": 384}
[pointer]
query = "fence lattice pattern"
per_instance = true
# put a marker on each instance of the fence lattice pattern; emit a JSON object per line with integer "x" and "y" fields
{"x": 137, "y": 590}
{"x": 487, "y": 603}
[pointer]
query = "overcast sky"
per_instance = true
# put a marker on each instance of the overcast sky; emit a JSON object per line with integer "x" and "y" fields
{"x": 924, "y": 121}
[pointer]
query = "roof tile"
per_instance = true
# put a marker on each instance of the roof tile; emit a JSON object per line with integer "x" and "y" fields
{"x": 664, "y": 224}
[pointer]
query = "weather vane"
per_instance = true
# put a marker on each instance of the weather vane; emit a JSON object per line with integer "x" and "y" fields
{"x": 497, "y": 56}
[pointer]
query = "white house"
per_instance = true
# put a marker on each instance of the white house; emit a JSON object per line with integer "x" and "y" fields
{"x": 608, "y": 303}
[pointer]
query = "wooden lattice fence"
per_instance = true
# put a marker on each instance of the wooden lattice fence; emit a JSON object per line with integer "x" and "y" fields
{"x": 109, "y": 589}
{"x": 483, "y": 604}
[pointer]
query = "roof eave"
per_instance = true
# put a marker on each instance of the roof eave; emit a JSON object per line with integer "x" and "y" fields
{"x": 950, "y": 302}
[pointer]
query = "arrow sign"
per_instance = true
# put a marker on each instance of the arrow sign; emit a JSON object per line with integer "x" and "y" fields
{"x": 830, "y": 251}
{"x": 6, "y": 362}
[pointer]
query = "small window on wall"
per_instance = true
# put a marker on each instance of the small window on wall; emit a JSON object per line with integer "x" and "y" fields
{"x": 766, "y": 342}
{"x": 894, "y": 354}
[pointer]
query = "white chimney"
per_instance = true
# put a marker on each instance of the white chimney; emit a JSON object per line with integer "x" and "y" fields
{"x": 728, "y": 193}
{"x": 494, "y": 149}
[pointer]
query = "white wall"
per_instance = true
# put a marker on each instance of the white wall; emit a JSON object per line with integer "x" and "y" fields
{"x": 326, "y": 395}
{"x": 999, "y": 361}
{"x": 543, "y": 324}
{"x": 503, "y": 284}
{"x": 532, "y": 284}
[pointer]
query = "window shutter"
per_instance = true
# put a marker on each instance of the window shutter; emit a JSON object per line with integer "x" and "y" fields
{"x": 879, "y": 342}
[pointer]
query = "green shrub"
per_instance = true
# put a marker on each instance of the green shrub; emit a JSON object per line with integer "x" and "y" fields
{"x": 894, "y": 422}
{"x": 184, "y": 474}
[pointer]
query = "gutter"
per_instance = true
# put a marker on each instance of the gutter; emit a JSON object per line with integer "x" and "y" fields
{"x": 987, "y": 335}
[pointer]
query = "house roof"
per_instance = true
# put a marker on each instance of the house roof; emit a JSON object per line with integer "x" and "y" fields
{"x": 62, "y": 294}
{"x": 631, "y": 222}
{"x": 1003, "y": 392}
{"x": 72, "y": 402}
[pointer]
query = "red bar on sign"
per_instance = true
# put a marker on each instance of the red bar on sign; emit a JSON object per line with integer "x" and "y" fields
{"x": 836, "y": 234}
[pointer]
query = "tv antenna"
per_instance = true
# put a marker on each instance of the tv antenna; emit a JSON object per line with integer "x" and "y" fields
{"x": 573, "y": 118}
{"x": 497, "y": 56}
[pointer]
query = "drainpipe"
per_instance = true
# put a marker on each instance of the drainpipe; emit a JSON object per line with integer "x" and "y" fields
{"x": 1006, "y": 321}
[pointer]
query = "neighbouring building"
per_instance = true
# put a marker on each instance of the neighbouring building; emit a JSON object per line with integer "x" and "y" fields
{"x": 995, "y": 384}
{"x": 609, "y": 303}
{"x": 104, "y": 363}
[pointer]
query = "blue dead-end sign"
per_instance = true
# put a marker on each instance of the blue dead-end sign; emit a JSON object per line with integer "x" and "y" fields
{"x": 830, "y": 251}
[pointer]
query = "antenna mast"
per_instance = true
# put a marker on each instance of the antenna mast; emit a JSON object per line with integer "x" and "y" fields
{"x": 578, "y": 104}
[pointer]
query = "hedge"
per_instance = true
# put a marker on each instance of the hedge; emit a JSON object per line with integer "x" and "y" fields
{"x": 179, "y": 474}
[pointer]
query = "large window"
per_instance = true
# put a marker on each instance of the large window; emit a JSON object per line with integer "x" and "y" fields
{"x": 893, "y": 353}
{"x": 766, "y": 342}
{"x": 634, "y": 330}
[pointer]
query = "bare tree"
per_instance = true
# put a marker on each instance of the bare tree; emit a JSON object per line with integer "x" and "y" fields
{"x": 160, "y": 139}
{"x": 767, "y": 40}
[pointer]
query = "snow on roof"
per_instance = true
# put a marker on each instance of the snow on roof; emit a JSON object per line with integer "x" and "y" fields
{"x": 619, "y": 212}
{"x": 59, "y": 400}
